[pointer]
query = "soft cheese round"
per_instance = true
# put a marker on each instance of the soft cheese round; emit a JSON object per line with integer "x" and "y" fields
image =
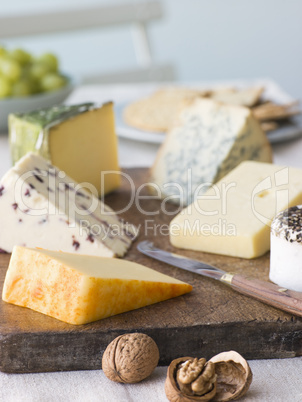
{"x": 286, "y": 249}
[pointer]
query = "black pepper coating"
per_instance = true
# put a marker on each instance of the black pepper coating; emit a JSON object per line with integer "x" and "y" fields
{"x": 288, "y": 224}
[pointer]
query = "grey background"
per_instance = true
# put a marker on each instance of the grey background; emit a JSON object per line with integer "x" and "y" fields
{"x": 206, "y": 40}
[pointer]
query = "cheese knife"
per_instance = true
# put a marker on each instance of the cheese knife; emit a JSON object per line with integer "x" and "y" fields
{"x": 267, "y": 292}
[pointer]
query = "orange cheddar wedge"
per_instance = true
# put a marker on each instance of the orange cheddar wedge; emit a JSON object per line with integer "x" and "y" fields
{"x": 79, "y": 289}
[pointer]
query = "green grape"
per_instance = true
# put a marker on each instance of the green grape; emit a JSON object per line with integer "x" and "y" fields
{"x": 21, "y": 56}
{"x": 10, "y": 69}
{"x": 3, "y": 51}
{"x": 35, "y": 86}
{"x": 26, "y": 72}
{"x": 38, "y": 70}
{"x": 21, "y": 74}
{"x": 51, "y": 82}
{"x": 49, "y": 60}
{"x": 5, "y": 87}
{"x": 21, "y": 88}
{"x": 32, "y": 82}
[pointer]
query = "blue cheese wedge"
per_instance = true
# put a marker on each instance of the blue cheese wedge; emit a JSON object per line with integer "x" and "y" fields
{"x": 209, "y": 141}
{"x": 40, "y": 206}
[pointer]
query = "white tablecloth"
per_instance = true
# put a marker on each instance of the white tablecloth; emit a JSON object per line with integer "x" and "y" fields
{"x": 274, "y": 380}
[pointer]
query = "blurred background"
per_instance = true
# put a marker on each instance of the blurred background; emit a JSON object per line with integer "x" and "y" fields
{"x": 202, "y": 40}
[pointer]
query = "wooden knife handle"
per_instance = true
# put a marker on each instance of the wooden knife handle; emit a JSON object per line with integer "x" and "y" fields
{"x": 267, "y": 292}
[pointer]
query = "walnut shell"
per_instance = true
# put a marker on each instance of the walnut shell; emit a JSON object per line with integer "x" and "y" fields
{"x": 130, "y": 358}
{"x": 173, "y": 392}
{"x": 234, "y": 376}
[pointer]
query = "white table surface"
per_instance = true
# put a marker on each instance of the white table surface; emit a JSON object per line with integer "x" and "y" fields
{"x": 274, "y": 380}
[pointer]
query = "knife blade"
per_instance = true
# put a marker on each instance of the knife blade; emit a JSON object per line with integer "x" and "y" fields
{"x": 267, "y": 292}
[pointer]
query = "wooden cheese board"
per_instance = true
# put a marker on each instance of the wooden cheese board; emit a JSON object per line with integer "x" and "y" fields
{"x": 211, "y": 319}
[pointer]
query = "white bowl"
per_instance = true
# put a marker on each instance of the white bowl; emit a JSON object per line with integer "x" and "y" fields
{"x": 32, "y": 102}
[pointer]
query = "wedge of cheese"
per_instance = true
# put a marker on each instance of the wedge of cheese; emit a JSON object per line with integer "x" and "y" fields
{"x": 40, "y": 206}
{"x": 78, "y": 289}
{"x": 234, "y": 216}
{"x": 209, "y": 141}
{"x": 78, "y": 139}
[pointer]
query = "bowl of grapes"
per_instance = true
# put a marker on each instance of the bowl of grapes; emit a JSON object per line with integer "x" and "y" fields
{"x": 29, "y": 82}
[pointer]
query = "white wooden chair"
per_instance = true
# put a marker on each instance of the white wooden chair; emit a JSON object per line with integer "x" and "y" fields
{"x": 136, "y": 15}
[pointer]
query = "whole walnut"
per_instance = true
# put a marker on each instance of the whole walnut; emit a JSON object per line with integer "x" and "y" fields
{"x": 130, "y": 358}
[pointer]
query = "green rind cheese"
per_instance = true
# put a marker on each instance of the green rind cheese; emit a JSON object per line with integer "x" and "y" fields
{"x": 28, "y": 132}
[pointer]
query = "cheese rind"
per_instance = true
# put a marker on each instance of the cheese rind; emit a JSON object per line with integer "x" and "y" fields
{"x": 286, "y": 249}
{"x": 78, "y": 139}
{"x": 234, "y": 216}
{"x": 209, "y": 141}
{"x": 40, "y": 206}
{"x": 80, "y": 289}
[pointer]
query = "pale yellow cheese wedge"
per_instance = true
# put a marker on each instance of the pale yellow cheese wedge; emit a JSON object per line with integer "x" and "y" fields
{"x": 86, "y": 146}
{"x": 234, "y": 216}
{"x": 80, "y": 140}
{"x": 79, "y": 289}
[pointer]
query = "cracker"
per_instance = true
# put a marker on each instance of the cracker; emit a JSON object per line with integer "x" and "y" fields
{"x": 269, "y": 125}
{"x": 241, "y": 97}
{"x": 158, "y": 112}
{"x": 273, "y": 111}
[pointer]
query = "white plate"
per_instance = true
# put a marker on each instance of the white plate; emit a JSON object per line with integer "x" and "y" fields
{"x": 272, "y": 92}
{"x": 288, "y": 131}
{"x": 131, "y": 133}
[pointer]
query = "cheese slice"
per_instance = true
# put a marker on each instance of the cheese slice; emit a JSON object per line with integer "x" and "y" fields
{"x": 209, "y": 141}
{"x": 234, "y": 216}
{"x": 80, "y": 289}
{"x": 40, "y": 206}
{"x": 78, "y": 139}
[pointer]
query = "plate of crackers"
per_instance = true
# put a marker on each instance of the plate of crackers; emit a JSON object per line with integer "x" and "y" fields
{"x": 149, "y": 118}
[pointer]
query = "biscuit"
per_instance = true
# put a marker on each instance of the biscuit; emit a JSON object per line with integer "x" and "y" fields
{"x": 158, "y": 112}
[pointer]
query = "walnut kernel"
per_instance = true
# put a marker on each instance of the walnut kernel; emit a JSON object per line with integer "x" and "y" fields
{"x": 190, "y": 379}
{"x": 225, "y": 377}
